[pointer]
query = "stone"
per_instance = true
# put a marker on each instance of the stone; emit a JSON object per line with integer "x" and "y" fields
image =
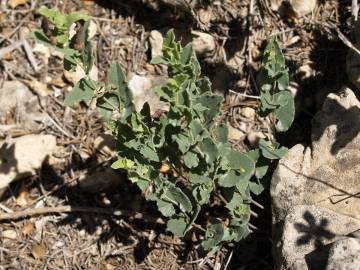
{"x": 23, "y": 156}
{"x": 235, "y": 134}
{"x": 101, "y": 181}
{"x": 248, "y": 112}
{"x": 203, "y": 43}
{"x": 323, "y": 175}
{"x": 13, "y": 94}
{"x": 156, "y": 42}
{"x": 302, "y": 7}
{"x": 307, "y": 229}
{"x": 141, "y": 89}
{"x": 344, "y": 254}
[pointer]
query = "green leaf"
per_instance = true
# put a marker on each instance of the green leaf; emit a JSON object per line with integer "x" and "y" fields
{"x": 271, "y": 150}
{"x": 196, "y": 178}
{"x": 107, "y": 104}
{"x": 83, "y": 90}
{"x": 165, "y": 208}
{"x": 256, "y": 188}
{"x": 116, "y": 78}
{"x": 202, "y": 192}
{"x": 87, "y": 54}
{"x": 177, "y": 195}
{"x": 210, "y": 150}
{"x": 213, "y": 235}
{"x": 149, "y": 153}
{"x": 229, "y": 179}
{"x": 191, "y": 159}
{"x": 222, "y": 133}
{"x": 177, "y": 226}
{"x": 286, "y": 113}
{"x": 241, "y": 163}
{"x": 186, "y": 54}
{"x": 212, "y": 103}
{"x": 123, "y": 163}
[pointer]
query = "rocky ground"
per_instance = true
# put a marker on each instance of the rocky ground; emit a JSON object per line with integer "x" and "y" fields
{"x": 57, "y": 158}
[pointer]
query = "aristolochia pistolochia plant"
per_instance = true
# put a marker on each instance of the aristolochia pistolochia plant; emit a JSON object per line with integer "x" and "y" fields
{"x": 182, "y": 159}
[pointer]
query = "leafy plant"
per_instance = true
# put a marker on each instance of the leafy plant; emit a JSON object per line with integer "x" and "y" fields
{"x": 274, "y": 77}
{"x": 182, "y": 159}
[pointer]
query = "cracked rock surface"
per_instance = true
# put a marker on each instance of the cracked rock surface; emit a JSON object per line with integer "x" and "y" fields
{"x": 315, "y": 189}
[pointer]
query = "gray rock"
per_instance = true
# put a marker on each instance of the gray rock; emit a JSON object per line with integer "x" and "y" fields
{"x": 18, "y": 103}
{"x": 345, "y": 255}
{"x": 203, "y": 43}
{"x": 23, "y": 156}
{"x": 307, "y": 230}
{"x": 141, "y": 89}
{"x": 156, "y": 42}
{"x": 323, "y": 176}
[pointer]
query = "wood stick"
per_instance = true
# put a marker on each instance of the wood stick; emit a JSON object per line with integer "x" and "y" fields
{"x": 72, "y": 209}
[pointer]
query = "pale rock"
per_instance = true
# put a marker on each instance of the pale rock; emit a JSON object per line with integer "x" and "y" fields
{"x": 140, "y": 87}
{"x": 79, "y": 73}
{"x": 16, "y": 97}
{"x": 248, "y": 112}
{"x": 344, "y": 254}
{"x": 9, "y": 234}
{"x": 306, "y": 230}
{"x": 324, "y": 175}
{"x": 203, "y": 43}
{"x": 302, "y": 7}
{"x": 101, "y": 181}
{"x": 156, "y": 42}
{"x": 254, "y": 138}
{"x": 23, "y": 156}
{"x": 235, "y": 134}
{"x": 13, "y": 94}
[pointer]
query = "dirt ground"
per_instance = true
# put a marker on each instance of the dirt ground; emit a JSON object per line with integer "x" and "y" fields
{"x": 88, "y": 239}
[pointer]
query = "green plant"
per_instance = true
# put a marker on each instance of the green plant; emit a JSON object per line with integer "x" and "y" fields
{"x": 182, "y": 159}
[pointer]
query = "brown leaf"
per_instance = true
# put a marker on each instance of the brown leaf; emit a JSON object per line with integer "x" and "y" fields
{"x": 38, "y": 251}
{"x": 28, "y": 229}
{"x": 14, "y": 3}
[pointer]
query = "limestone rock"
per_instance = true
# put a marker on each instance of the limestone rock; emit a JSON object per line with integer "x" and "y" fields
{"x": 13, "y": 94}
{"x": 327, "y": 173}
{"x": 235, "y": 134}
{"x": 141, "y": 89}
{"x": 23, "y": 156}
{"x": 248, "y": 112}
{"x": 156, "y": 42}
{"x": 307, "y": 230}
{"x": 20, "y": 107}
{"x": 203, "y": 43}
{"x": 302, "y": 7}
{"x": 344, "y": 254}
{"x": 324, "y": 175}
{"x": 101, "y": 181}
